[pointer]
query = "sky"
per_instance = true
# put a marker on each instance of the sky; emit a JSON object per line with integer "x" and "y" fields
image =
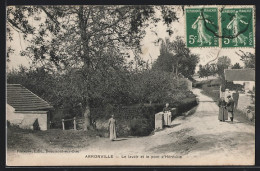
{"x": 150, "y": 51}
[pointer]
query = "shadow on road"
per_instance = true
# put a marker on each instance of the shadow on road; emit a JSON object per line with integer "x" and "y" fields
{"x": 174, "y": 125}
{"x": 234, "y": 122}
{"x": 120, "y": 139}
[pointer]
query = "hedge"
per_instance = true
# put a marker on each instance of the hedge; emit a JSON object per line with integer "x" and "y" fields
{"x": 137, "y": 120}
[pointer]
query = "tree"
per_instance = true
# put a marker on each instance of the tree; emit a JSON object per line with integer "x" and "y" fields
{"x": 236, "y": 66}
{"x": 151, "y": 86}
{"x": 248, "y": 59}
{"x": 176, "y": 58}
{"x": 223, "y": 63}
{"x": 80, "y": 37}
{"x": 205, "y": 71}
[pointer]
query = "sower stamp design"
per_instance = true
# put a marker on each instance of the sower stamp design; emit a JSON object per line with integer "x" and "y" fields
{"x": 202, "y": 27}
{"x": 237, "y": 27}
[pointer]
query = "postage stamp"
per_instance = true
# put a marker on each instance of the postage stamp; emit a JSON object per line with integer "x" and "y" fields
{"x": 202, "y": 27}
{"x": 237, "y": 27}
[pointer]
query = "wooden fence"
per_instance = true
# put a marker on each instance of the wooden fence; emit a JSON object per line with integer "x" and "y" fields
{"x": 75, "y": 121}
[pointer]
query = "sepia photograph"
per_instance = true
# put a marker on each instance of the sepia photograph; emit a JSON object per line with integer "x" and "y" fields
{"x": 130, "y": 85}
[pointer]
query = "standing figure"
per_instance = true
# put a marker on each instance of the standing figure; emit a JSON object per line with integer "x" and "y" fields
{"x": 112, "y": 128}
{"x": 230, "y": 107}
{"x": 235, "y": 98}
{"x": 223, "y": 115}
{"x": 199, "y": 24}
{"x": 166, "y": 108}
{"x": 236, "y": 30}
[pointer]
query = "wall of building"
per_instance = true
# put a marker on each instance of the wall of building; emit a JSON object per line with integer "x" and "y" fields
{"x": 248, "y": 84}
{"x": 16, "y": 118}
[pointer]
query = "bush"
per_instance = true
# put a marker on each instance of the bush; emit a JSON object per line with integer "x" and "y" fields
{"x": 140, "y": 127}
{"x": 216, "y": 82}
{"x": 231, "y": 86}
{"x": 199, "y": 84}
{"x": 138, "y": 120}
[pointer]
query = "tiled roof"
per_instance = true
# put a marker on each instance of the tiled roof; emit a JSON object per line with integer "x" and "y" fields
{"x": 21, "y": 99}
{"x": 240, "y": 74}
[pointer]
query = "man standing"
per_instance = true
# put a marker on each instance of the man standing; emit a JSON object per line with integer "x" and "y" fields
{"x": 230, "y": 107}
{"x": 235, "y": 98}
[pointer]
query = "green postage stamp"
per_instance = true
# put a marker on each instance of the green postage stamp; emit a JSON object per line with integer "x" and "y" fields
{"x": 202, "y": 27}
{"x": 237, "y": 27}
{"x": 219, "y": 27}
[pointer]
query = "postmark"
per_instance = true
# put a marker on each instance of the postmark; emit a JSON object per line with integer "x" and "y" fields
{"x": 202, "y": 27}
{"x": 237, "y": 27}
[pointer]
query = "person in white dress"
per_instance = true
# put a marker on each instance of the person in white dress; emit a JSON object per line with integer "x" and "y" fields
{"x": 112, "y": 128}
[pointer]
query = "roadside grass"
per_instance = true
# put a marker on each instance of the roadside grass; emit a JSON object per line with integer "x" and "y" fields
{"x": 16, "y": 138}
{"x": 241, "y": 116}
{"x": 54, "y": 138}
{"x": 212, "y": 92}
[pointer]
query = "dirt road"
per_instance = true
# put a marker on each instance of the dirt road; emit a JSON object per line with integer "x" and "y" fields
{"x": 197, "y": 138}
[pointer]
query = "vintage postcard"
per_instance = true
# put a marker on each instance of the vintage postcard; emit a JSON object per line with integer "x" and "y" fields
{"x": 121, "y": 85}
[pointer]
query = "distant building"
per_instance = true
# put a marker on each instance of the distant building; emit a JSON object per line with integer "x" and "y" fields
{"x": 244, "y": 77}
{"x": 26, "y": 109}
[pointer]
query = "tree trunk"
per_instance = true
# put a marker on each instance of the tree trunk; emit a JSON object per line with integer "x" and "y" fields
{"x": 177, "y": 78}
{"x": 86, "y": 73}
{"x": 87, "y": 119}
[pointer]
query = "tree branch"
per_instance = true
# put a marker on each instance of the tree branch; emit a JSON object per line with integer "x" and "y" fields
{"x": 14, "y": 26}
{"x": 110, "y": 25}
{"x": 49, "y": 15}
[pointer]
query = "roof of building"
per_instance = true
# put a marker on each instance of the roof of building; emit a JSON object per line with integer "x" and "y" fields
{"x": 22, "y": 99}
{"x": 240, "y": 74}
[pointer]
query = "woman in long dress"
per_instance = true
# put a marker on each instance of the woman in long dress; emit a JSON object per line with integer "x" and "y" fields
{"x": 236, "y": 30}
{"x": 223, "y": 114}
{"x": 199, "y": 24}
{"x": 112, "y": 128}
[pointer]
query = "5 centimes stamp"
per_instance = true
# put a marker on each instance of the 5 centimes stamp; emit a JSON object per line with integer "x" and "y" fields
{"x": 237, "y": 27}
{"x": 202, "y": 27}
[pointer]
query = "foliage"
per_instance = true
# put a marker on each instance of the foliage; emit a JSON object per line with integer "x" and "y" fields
{"x": 83, "y": 40}
{"x": 236, "y": 66}
{"x": 248, "y": 59}
{"x": 223, "y": 63}
{"x": 80, "y": 55}
{"x": 204, "y": 71}
{"x": 176, "y": 57}
{"x": 151, "y": 86}
{"x": 138, "y": 120}
{"x": 122, "y": 88}
{"x": 212, "y": 92}
{"x": 207, "y": 70}
{"x": 233, "y": 87}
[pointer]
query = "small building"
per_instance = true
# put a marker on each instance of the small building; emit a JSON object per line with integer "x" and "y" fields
{"x": 244, "y": 77}
{"x": 26, "y": 109}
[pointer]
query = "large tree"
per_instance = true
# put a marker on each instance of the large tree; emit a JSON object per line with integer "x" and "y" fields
{"x": 79, "y": 38}
{"x": 223, "y": 63}
{"x": 175, "y": 57}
